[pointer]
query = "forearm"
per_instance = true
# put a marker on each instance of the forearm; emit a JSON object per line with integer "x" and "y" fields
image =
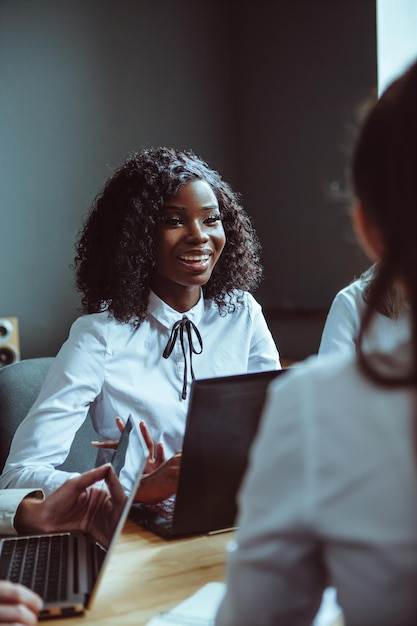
{"x": 29, "y": 518}
{"x": 10, "y": 500}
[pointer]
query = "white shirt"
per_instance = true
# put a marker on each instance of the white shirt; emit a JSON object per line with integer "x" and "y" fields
{"x": 9, "y": 503}
{"x": 342, "y": 325}
{"x": 110, "y": 368}
{"x": 330, "y": 498}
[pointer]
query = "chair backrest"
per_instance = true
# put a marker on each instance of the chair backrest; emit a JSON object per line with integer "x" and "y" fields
{"x": 20, "y": 384}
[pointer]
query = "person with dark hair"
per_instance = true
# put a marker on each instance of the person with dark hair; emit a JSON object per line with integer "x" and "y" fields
{"x": 330, "y": 496}
{"x": 390, "y": 326}
{"x": 165, "y": 264}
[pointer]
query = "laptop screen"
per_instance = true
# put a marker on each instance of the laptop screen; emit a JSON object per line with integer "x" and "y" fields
{"x": 128, "y": 462}
{"x": 223, "y": 418}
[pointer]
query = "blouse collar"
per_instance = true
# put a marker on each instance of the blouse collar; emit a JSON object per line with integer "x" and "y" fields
{"x": 167, "y": 316}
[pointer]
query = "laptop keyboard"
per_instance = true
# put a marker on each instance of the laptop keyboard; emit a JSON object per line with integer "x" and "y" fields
{"x": 164, "y": 509}
{"x": 40, "y": 563}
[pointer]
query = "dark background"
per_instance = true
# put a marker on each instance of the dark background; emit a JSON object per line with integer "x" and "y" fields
{"x": 265, "y": 90}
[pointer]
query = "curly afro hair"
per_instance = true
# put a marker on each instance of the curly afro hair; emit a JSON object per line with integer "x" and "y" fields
{"x": 115, "y": 249}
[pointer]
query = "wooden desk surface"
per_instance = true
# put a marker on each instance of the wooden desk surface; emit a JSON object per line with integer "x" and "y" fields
{"x": 147, "y": 575}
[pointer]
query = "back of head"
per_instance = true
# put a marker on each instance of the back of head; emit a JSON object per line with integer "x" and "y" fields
{"x": 384, "y": 177}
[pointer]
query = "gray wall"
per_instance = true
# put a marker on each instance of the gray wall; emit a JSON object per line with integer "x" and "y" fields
{"x": 261, "y": 89}
{"x": 304, "y": 68}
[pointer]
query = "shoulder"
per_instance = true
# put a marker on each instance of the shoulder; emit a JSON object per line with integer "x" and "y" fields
{"x": 336, "y": 427}
{"x": 304, "y": 408}
{"x": 343, "y": 319}
{"x": 99, "y": 328}
{"x": 247, "y": 302}
{"x": 236, "y": 301}
{"x": 315, "y": 372}
{"x": 351, "y": 296}
{"x": 315, "y": 387}
{"x": 332, "y": 393}
{"x": 91, "y": 321}
{"x": 240, "y": 311}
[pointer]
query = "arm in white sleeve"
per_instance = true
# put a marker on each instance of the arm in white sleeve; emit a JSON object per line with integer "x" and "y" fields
{"x": 342, "y": 325}
{"x": 43, "y": 440}
{"x": 9, "y": 503}
{"x": 275, "y": 573}
{"x": 264, "y": 354}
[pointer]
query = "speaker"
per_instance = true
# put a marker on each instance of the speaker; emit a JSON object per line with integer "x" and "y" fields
{"x": 9, "y": 340}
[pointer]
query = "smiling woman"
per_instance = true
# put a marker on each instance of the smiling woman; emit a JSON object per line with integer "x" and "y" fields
{"x": 189, "y": 241}
{"x": 165, "y": 263}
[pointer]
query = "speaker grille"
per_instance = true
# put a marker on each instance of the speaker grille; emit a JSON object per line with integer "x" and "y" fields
{"x": 9, "y": 341}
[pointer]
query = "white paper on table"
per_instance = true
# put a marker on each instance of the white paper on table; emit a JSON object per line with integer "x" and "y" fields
{"x": 200, "y": 609}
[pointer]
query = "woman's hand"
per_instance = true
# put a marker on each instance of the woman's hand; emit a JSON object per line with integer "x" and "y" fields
{"x": 160, "y": 477}
{"x": 18, "y": 605}
{"x": 156, "y": 451}
{"x": 161, "y": 483}
{"x": 154, "y": 460}
{"x": 77, "y": 505}
{"x": 110, "y": 444}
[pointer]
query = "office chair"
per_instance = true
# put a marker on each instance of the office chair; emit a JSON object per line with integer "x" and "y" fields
{"x": 20, "y": 384}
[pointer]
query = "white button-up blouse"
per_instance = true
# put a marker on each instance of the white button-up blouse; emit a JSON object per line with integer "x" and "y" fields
{"x": 108, "y": 368}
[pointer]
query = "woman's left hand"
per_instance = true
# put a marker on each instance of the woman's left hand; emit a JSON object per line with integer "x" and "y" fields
{"x": 156, "y": 450}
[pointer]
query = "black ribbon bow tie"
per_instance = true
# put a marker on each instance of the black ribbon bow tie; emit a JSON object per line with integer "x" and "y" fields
{"x": 187, "y": 326}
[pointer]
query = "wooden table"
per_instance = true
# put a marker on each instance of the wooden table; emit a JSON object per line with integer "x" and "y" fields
{"x": 147, "y": 575}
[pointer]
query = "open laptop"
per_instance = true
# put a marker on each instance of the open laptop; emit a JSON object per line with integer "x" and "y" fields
{"x": 222, "y": 420}
{"x": 66, "y": 568}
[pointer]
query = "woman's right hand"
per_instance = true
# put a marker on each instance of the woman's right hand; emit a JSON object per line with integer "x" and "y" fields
{"x": 160, "y": 477}
{"x": 18, "y": 605}
{"x": 161, "y": 483}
